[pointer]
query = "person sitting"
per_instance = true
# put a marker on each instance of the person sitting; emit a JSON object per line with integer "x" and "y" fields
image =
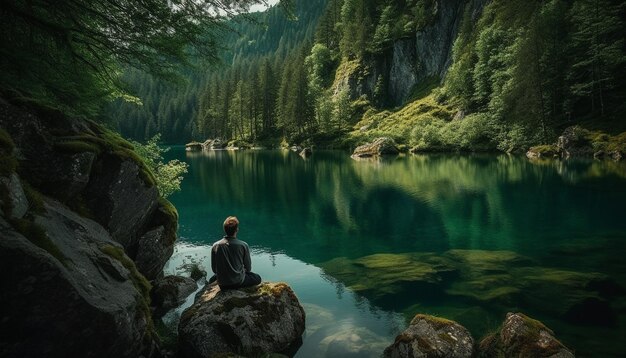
{"x": 230, "y": 260}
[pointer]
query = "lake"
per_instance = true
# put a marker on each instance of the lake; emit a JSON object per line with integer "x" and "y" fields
{"x": 368, "y": 244}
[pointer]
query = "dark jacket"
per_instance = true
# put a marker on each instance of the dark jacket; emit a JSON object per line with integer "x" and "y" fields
{"x": 230, "y": 260}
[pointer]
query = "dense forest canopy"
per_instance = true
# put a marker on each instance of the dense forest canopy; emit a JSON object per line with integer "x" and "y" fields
{"x": 434, "y": 75}
{"x": 519, "y": 71}
{"x": 68, "y": 53}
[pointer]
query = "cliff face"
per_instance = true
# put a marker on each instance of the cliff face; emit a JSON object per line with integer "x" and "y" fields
{"x": 83, "y": 231}
{"x": 410, "y": 62}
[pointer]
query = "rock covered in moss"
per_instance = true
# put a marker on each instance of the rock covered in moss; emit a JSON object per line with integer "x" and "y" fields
{"x": 252, "y": 321}
{"x": 68, "y": 290}
{"x": 521, "y": 336}
{"x": 170, "y": 292}
{"x": 193, "y": 147}
{"x": 92, "y": 170}
{"x": 543, "y": 151}
{"x": 380, "y": 146}
{"x": 429, "y": 336}
{"x": 574, "y": 142}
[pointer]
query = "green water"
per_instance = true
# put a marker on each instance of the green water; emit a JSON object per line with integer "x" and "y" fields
{"x": 465, "y": 237}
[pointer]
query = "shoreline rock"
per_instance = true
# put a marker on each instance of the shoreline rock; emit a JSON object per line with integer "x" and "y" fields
{"x": 432, "y": 337}
{"x": 267, "y": 318}
{"x": 522, "y": 336}
{"x": 380, "y": 146}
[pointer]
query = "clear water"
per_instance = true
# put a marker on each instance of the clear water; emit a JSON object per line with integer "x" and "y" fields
{"x": 544, "y": 238}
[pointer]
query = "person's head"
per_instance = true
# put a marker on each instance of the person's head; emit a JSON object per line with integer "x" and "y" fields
{"x": 231, "y": 225}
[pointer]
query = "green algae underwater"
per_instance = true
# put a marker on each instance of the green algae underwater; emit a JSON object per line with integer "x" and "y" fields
{"x": 366, "y": 245}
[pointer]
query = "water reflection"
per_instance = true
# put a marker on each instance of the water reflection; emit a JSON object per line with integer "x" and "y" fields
{"x": 562, "y": 216}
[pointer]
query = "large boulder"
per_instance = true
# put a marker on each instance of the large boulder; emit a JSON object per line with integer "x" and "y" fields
{"x": 170, "y": 292}
{"x": 68, "y": 290}
{"x": 521, "y": 336}
{"x": 154, "y": 249}
{"x": 380, "y": 146}
{"x": 429, "y": 336}
{"x": 261, "y": 319}
{"x": 121, "y": 200}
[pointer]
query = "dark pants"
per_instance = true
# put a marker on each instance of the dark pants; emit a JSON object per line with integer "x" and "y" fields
{"x": 251, "y": 279}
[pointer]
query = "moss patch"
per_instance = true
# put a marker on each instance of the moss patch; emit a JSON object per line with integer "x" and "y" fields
{"x": 102, "y": 140}
{"x": 170, "y": 222}
{"x": 37, "y": 235}
{"x": 35, "y": 198}
{"x": 436, "y": 322}
{"x": 139, "y": 281}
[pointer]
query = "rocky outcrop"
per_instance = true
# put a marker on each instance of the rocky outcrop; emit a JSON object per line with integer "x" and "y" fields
{"x": 432, "y": 337}
{"x": 214, "y": 144}
{"x": 107, "y": 196}
{"x": 521, "y": 336}
{"x": 170, "y": 292}
{"x": 65, "y": 277}
{"x": 578, "y": 142}
{"x": 193, "y": 147}
{"x": 409, "y": 62}
{"x": 380, "y": 146}
{"x": 96, "y": 173}
{"x": 250, "y": 322}
{"x": 574, "y": 142}
{"x": 70, "y": 239}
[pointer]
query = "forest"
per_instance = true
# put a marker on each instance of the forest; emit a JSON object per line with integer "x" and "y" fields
{"x": 517, "y": 73}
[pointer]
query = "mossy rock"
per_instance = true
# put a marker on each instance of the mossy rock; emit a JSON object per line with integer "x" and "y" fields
{"x": 522, "y": 336}
{"x": 583, "y": 297}
{"x": 543, "y": 151}
{"x": 251, "y": 322}
{"x": 432, "y": 337}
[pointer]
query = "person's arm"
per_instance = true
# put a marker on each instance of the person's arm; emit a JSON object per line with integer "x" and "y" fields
{"x": 213, "y": 259}
{"x": 247, "y": 262}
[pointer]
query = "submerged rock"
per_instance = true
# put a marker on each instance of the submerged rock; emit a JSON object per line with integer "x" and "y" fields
{"x": 170, "y": 292}
{"x": 252, "y": 321}
{"x": 380, "y": 146}
{"x": 521, "y": 336}
{"x": 431, "y": 337}
{"x": 381, "y": 275}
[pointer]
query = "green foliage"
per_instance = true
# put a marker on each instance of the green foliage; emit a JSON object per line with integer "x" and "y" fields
{"x": 168, "y": 175}
{"x": 68, "y": 55}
